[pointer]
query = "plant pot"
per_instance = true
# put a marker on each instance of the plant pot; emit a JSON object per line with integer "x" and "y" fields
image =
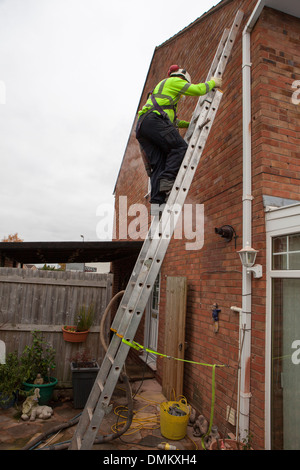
{"x": 83, "y": 379}
{"x": 46, "y": 390}
{"x": 229, "y": 444}
{"x": 8, "y": 401}
{"x": 74, "y": 336}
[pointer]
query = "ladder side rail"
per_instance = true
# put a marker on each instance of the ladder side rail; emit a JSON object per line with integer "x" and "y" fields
{"x": 102, "y": 404}
{"x": 91, "y": 403}
{"x": 134, "y": 275}
{"x": 218, "y": 68}
{"x": 218, "y": 54}
{"x": 139, "y": 261}
{"x": 229, "y": 43}
{"x": 210, "y": 74}
{"x": 94, "y": 407}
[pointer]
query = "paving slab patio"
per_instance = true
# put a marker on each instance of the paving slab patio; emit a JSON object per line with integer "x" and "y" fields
{"x": 144, "y": 433}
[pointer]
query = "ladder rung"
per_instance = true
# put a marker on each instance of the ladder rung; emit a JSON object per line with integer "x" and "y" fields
{"x": 100, "y": 385}
{"x": 90, "y": 413}
{"x": 110, "y": 358}
{"x": 204, "y": 124}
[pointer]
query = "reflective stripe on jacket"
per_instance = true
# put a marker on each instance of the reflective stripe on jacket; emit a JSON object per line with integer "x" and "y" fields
{"x": 169, "y": 91}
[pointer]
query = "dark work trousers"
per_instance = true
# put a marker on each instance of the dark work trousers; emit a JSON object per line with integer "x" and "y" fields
{"x": 164, "y": 148}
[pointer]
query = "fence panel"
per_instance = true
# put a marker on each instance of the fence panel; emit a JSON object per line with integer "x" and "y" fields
{"x": 46, "y": 301}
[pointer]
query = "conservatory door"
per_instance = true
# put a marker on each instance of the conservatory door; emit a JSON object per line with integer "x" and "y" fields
{"x": 286, "y": 364}
{"x": 285, "y": 361}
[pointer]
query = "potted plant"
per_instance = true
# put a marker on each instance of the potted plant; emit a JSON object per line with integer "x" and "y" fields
{"x": 78, "y": 333}
{"x": 84, "y": 371}
{"x": 232, "y": 444}
{"x": 12, "y": 376}
{"x": 37, "y": 362}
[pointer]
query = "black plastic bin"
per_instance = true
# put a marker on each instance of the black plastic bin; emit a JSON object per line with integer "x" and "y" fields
{"x": 83, "y": 379}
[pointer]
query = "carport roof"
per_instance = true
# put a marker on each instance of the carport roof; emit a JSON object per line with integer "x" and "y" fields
{"x": 69, "y": 252}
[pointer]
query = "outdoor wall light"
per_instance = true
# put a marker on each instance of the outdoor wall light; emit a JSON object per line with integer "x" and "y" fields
{"x": 248, "y": 257}
{"x": 227, "y": 232}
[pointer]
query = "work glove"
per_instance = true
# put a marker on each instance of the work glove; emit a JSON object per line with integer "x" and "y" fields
{"x": 218, "y": 82}
{"x": 182, "y": 124}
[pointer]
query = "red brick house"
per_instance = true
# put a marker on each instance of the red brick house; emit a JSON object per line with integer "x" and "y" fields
{"x": 248, "y": 179}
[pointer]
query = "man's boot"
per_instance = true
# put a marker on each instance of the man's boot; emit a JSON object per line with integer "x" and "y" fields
{"x": 165, "y": 186}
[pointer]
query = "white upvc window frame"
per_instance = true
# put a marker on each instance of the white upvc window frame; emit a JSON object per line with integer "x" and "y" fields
{"x": 279, "y": 221}
{"x": 151, "y": 359}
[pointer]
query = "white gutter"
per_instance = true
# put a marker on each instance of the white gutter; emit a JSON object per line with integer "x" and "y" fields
{"x": 245, "y": 314}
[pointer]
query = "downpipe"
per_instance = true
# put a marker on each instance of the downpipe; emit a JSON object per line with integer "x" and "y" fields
{"x": 245, "y": 313}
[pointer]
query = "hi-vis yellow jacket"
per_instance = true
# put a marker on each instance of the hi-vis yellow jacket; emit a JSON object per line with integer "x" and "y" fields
{"x": 169, "y": 91}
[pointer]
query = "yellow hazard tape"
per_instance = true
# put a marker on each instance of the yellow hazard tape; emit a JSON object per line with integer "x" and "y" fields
{"x": 138, "y": 347}
{"x": 117, "y": 334}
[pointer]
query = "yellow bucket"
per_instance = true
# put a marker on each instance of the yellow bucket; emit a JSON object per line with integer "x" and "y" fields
{"x": 174, "y": 427}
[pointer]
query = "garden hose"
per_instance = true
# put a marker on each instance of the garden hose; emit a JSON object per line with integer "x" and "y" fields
{"x": 102, "y": 339}
{"x": 33, "y": 443}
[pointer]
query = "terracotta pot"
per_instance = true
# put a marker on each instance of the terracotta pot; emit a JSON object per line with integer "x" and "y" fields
{"x": 230, "y": 444}
{"x": 74, "y": 336}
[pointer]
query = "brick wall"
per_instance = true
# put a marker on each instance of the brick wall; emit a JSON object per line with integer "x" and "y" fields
{"x": 214, "y": 272}
{"x": 8, "y": 263}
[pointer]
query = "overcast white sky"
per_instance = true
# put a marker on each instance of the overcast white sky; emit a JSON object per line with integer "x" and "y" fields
{"x": 71, "y": 76}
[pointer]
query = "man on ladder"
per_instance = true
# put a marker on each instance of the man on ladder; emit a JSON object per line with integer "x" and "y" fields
{"x": 162, "y": 147}
{"x": 149, "y": 261}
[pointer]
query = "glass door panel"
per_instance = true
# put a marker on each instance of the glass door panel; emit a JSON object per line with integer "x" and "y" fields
{"x": 285, "y": 364}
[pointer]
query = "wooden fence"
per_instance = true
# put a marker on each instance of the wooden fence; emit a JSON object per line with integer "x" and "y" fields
{"x": 46, "y": 301}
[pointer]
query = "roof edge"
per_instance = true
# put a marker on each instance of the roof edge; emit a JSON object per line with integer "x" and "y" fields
{"x": 198, "y": 20}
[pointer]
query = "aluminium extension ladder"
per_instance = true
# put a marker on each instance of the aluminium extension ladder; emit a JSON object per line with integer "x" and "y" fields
{"x": 151, "y": 256}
